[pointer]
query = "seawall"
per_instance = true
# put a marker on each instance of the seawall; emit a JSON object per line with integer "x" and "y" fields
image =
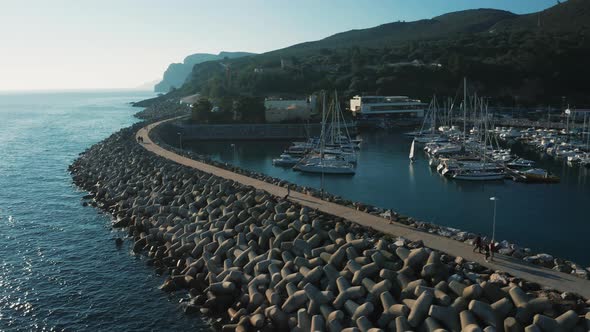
{"x": 262, "y": 262}
{"x": 193, "y": 132}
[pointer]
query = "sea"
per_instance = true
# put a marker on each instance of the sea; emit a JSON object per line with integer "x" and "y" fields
{"x": 60, "y": 269}
{"x": 549, "y": 218}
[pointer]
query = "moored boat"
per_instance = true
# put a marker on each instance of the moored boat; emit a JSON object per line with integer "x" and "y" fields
{"x": 285, "y": 160}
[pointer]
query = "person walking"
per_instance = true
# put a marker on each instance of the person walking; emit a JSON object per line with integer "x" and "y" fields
{"x": 487, "y": 252}
{"x": 288, "y": 191}
{"x": 477, "y": 244}
{"x": 492, "y": 248}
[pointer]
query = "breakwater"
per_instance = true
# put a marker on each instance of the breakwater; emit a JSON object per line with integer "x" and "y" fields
{"x": 162, "y": 110}
{"x": 504, "y": 247}
{"x": 265, "y": 263}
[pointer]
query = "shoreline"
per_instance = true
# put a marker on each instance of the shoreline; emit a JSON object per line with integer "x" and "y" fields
{"x": 150, "y": 197}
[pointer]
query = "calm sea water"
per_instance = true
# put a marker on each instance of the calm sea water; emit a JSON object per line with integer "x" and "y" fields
{"x": 553, "y": 218}
{"x": 59, "y": 266}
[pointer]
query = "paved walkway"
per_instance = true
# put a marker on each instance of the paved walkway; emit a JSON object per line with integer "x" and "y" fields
{"x": 546, "y": 277}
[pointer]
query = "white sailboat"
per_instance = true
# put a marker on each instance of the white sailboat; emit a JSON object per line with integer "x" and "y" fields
{"x": 412, "y": 151}
{"x": 321, "y": 164}
{"x": 481, "y": 171}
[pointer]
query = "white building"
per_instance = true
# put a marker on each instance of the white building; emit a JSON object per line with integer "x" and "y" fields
{"x": 365, "y": 107}
{"x": 279, "y": 110}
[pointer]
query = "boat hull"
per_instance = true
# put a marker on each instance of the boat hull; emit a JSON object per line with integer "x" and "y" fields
{"x": 480, "y": 177}
{"x": 326, "y": 169}
{"x": 284, "y": 163}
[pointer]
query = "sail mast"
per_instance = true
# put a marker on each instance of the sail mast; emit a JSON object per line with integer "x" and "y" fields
{"x": 464, "y": 106}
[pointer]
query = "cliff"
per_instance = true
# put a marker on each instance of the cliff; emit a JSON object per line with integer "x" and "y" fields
{"x": 176, "y": 74}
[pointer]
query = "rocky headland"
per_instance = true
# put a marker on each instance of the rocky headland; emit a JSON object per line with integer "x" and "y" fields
{"x": 259, "y": 262}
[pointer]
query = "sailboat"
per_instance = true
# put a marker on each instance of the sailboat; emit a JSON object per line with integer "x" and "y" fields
{"x": 480, "y": 171}
{"x": 412, "y": 151}
{"x": 321, "y": 164}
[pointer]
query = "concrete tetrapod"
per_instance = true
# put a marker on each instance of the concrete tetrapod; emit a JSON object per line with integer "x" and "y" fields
{"x": 346, "y": 292}
{"x": 484, "y": 312}
{"x": 468, "y": 322}
{"x": 273, "y": 265}
{"x": 568, "y": 320}
{"x": 512, "y": 325}
{"x": 332, "y": 317}
{"x": 420, "y": 309}
{"x": 317, "y": 323}
{"x": 446, "y": 315}
{"x": 355, "y": 310}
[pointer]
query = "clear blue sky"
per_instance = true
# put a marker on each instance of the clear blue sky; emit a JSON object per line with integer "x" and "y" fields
{"x": 84, "y": 44}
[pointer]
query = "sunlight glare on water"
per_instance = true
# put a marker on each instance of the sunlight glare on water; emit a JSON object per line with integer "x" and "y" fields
{"x": 59, "y": 266}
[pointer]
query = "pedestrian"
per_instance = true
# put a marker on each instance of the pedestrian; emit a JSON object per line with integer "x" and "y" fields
{"x": 487, "y": 252}
{"x": 288, "y": 191}
{"x": 477, "y": 244}
{"x": 492, "y": 248}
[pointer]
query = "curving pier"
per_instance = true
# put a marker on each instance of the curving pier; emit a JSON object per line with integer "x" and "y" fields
{"x": 518, "y": 268}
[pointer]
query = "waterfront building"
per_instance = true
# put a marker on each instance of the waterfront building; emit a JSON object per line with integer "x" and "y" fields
{"x": 281, "y": 110}
{"x": 387, "y": 106}
{"x": 395, "y": 110}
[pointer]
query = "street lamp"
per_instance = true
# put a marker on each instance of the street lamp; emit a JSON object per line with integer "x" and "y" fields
{"x": 495, "y": 199}
{"x": 179, "y": 139}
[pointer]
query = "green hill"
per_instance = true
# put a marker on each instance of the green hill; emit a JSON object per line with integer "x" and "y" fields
{"x": 468, "y": 21}
{"x": 568, "y": 17}
{"x": 510, "y": 58}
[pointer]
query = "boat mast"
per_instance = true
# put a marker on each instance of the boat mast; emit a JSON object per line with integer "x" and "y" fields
{"x": 435, "y": 109}
{"x": 322, "y": 141}
{"x": 464, "y": 106}
{"x": 485, "y": 136}
{"x": 323, "y": 133}
{"x": 587, "y": 131}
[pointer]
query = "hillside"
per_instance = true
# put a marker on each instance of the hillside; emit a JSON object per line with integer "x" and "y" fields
{"x": 568, "y": 17}
{"x": 508, "y": 57}
{"x": 468, "y": 21}
{"x": 176, "y": 74}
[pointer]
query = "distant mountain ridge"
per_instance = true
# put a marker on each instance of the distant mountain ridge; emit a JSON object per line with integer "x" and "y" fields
{"x": 467, "y": 21}
{"x": 538, "y": 57}
{"x": 176, "y": 74}
{"x": 567, "y": 16}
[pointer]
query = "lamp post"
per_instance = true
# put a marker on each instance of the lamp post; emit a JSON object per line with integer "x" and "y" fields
{"x": 495, "y": 199}
{"x": 179, "y": 139}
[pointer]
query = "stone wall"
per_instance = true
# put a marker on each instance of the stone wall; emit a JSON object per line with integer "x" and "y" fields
{"x": 192, "y": 132}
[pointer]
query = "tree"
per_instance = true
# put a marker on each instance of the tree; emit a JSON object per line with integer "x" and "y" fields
{"x": 249, "y": 109}
{"x": 201, "y": 110}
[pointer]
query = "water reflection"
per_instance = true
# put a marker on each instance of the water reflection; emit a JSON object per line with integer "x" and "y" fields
{"x": 547, "y": 217}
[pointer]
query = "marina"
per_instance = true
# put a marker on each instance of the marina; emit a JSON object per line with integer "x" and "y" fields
{"x": 333, "y": 152}
{"x": 384, "y": 177}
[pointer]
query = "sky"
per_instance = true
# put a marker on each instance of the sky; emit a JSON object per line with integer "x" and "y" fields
{"x": 82, "y": 44}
